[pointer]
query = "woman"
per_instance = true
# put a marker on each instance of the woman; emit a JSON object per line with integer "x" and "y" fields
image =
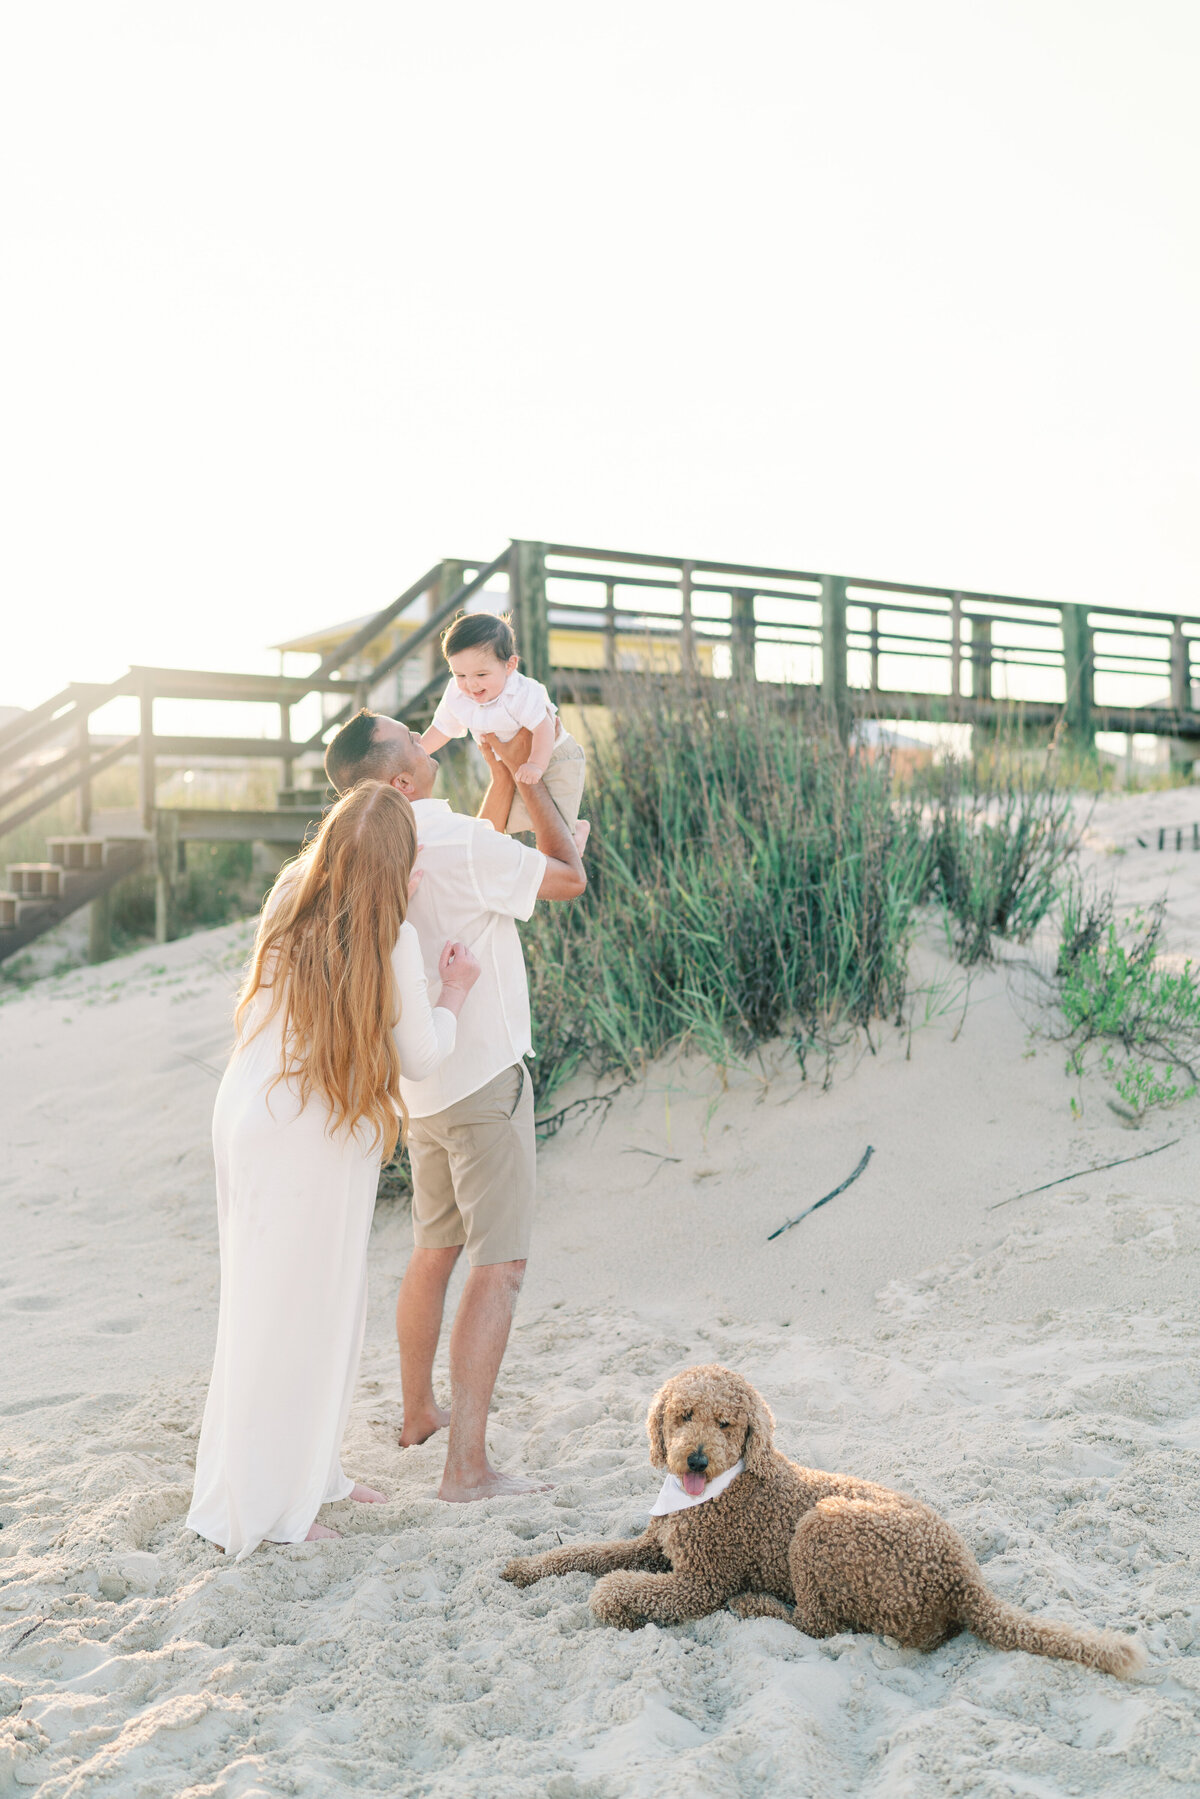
{"x": 333, "y": 1011}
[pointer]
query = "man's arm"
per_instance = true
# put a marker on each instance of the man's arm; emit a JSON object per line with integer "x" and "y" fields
{"x": 497, "y": 801}
{"x": 564, "y": 878}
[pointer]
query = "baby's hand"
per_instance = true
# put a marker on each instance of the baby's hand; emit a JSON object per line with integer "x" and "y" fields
{"x": 529, "y": 774}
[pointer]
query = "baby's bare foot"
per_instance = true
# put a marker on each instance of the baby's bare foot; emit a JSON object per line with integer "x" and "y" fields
{"x": 422, "y": 1426}
{"x": 581, "y": 833}
{"x": 366, "y": 1495}
{"x": 317, "y": 1531}
{"x": 493, "y": 1485}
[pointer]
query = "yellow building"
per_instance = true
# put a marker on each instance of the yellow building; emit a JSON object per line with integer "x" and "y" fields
{"x": 571, "y": 647}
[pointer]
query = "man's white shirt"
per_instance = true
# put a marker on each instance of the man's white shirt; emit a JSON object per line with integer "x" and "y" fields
{"x": 477, "y": 883}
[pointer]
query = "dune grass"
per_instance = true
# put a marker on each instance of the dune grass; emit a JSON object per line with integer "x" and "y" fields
{"x": 1002, "y": 833}
{"x": 749, "y": 878}
{"x": 752, "y": 878}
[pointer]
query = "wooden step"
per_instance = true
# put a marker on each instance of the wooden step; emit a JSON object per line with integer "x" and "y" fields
{"x": 83, "y": 868}
{"x": 18, "y": 913}
{"x": 35, "y": 880}
{"x": 76, "y": 852}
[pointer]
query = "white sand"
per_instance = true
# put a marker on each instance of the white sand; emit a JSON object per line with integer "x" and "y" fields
{"x": 1033, "y": 1371}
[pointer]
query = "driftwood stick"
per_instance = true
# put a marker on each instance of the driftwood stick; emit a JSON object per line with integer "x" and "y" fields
{"x": 825, "y": 1197}
{"x": 551, "y": 1125}
{"x": 1098, "y": 1168}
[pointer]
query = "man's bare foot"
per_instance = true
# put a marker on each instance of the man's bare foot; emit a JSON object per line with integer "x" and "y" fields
{"x": 494, "y": 1485}
{"x": 421, "y": 1427}
{"x": 366, "y": 1495}
{"x": 317, "y": 1531}
{"x": 581, "y": 834}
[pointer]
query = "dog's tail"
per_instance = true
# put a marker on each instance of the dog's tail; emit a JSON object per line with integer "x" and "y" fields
{"x": 1004, "y": 1627}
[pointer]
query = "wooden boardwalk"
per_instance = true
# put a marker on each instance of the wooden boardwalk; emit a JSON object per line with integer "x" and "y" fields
{"x": 868, "y": 648}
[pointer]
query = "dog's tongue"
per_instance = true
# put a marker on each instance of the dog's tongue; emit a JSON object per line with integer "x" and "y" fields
{"x": 693, "y": 1484}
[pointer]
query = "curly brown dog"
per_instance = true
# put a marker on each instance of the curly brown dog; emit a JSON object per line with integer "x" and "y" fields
{"x": 844, "y": 1554}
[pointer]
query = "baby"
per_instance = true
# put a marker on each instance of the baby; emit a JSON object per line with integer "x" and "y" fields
{"x": 486, "y": 694}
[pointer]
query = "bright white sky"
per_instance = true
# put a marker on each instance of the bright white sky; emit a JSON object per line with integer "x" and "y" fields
{"x": 298, "y": 298}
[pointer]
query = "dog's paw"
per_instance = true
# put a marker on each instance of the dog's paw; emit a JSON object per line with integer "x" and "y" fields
{"x": 613, "y": 1603}
{"x": 523, "y": 1570}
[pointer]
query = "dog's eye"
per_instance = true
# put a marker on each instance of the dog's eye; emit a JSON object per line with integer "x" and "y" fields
{"x": 685, "y": 1418}
{"x": 724, "y": 1425}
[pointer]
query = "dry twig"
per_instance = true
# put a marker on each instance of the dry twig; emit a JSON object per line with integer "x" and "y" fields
{"x": 1097, "y": 1168}
{"x": 825, "y": 1197}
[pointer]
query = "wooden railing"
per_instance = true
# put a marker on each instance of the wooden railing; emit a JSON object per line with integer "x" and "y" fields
{"x": 969, "y": 656}
{"x": 30, "y": 780}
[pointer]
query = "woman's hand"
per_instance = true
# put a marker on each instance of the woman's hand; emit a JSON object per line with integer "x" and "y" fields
{"x": 459, "y": 971}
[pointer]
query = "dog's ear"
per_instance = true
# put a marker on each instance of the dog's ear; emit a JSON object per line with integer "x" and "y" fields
{"x": 760, "y": 1433}
{"x": 654, "y": 1429}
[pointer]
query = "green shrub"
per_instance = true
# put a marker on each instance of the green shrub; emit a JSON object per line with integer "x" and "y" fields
{"x": 1001, "y": 839}
{"x": 749, "y": 877}
{"x": 216, "y": 887}
{"x": 1141, "y": 1018}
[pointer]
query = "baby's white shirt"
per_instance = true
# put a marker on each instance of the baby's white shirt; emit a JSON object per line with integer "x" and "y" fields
{"x": 521, "y": 705}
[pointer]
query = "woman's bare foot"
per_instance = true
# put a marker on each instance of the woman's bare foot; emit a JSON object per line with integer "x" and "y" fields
{"x": 492, "y": 1485}
{"x": 422, "y": 1425}
{"x": 366, "y": 1495}
{"x": 581, "y": 833}
{"x": 317, "y": 1531}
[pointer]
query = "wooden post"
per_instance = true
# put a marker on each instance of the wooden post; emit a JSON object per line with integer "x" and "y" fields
{"x": 956, "y": 646}
{"x": 835, "y": 685}
{"x": 147, "y": 780}
{"x": 874, "y": 610}
{"x": 981, "y": 658}
{"x": 166, "y": 865}
{"x": 531, "y": 620}
{"x": 1181, "y": 683}
{"x": 610, "y": 627}
{"x": 285, "y": 738}
{"x": 100, "y": 927}
{"x": 687, "y": 640}
{"x": 1077, "y": 665}
{"x": 452, "y": 577}
{"x": 83, "y": 806}
{"x": 742, "y": 642}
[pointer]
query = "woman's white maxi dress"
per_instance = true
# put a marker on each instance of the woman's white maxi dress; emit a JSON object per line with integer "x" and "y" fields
{"x": 294, "y": 1207}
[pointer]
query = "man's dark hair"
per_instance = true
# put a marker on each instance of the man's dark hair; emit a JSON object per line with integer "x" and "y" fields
{"x": 354, "y": 755}
{"x": 477, "y": 630}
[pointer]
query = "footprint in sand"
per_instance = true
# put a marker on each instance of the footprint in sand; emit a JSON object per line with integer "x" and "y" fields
{"x": 34, "y": 1302}
{"x": 119, "y": 1327}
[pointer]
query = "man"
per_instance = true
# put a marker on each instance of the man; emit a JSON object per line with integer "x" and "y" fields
{"x": 471, "y": 1139}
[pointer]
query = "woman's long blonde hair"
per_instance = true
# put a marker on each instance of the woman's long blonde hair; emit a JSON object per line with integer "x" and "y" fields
{"x": 324, "y": 954}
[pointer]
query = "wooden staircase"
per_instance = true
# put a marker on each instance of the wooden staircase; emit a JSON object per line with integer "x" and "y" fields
{"x": 49, "y": 755}
{"x": 40, "y": 895}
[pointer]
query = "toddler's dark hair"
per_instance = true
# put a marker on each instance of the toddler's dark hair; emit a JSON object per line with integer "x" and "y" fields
{"x": 477, "y": 630}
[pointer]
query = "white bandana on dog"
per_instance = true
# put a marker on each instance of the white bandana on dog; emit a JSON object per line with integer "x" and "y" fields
{"x": 674, "y": 1499}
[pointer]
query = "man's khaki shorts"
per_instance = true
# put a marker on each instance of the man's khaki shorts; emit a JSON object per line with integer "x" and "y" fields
{"x": 474, "y": 1172}
{"x": 563, "y": 781}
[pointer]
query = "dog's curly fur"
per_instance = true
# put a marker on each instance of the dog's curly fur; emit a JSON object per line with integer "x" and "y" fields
{"x": 842, "y": 1554}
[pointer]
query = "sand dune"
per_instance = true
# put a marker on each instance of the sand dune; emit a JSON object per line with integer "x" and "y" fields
{"x": 1031, "y": 1368}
